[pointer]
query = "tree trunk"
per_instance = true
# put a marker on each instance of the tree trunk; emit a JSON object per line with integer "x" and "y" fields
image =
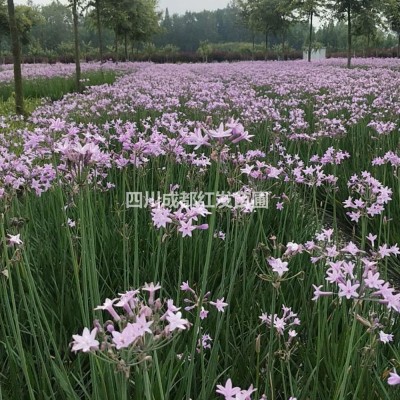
{"x": 284, "y": 55}
{"x": 16, "y": 51}
{"x": 99, "y": 31}
{"x": 398, "y": 47}
{"x": 253, "y": 36}
{"x": 116, "y": 47}
{"x": 349, "y": 36}
{"x": 126, "y": 46}
{"x": 266, "y": 44}
{"x": 77, "y": 51}
{"x": 310, "y": 37}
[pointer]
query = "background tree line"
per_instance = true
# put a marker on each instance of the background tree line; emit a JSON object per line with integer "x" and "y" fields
{"x": 136, "y": 29}
{"x": 128, "y": 28}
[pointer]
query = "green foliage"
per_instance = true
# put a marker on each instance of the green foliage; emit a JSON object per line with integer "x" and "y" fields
{"x": 27, "y": 17}
{"x": 4, "y": 28}
{"x": 204, "y": 50}
{"x": 57, "y": 26}
{"x": 392, "y": 12}
{"x": 139, "y": 19}
{"x": 170, "y": 51}
{"x": 267, "y": 16}
{"x": 47, "y": 30}
{"x": 56, "y": 88}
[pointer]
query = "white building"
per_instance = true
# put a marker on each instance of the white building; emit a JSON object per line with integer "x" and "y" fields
{"x": 316, "y": 55}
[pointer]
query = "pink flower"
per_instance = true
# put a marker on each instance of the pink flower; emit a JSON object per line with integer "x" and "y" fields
{"x": 86, "y": 342}
{"x": 219, "y": 304}
{"x": 176, "y": 321}
{"x": 15, "y": 239}
{"x": 185, "y": 286}
{"x": 108, "y": 306}
{"x": 186, "y": 228}
{"x": 245, "y": 394}
{"x": 228, "y": 390}
{"x": 160, "y": 217}
{"x": 385, "y": 337}
{"x": 203, "y": 313}
{"x": 278, "y": 266}
{"x": 348, "y": 290}
{"x": 373, "y": 281}
{"x": 151, "y": 288}
{"x": 318, "y": 292}
{"x": 372, "y": 238}
{"x": 220, "y": 132}
{"x": 394, "y": 378}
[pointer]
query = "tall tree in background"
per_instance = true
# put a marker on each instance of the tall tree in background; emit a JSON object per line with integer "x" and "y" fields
{"x": 133, "y": 20}
{"x": 366, "y": 25}
{"x": 16, "y": 51}
{"x": 26, "y": 18}
{"x": 392, "y": 12}
{"x": 251, "y": 20}
{"x": 98, "y": 4}
{"x": 4, "y": 26}
{"x": 57, "y": 26}
{"x": 268, "y": 16}
{"x": 311, "y": 9}
{"x": 75, "y": 17}
{"x": 144, "y": 21}
{"x": 348, "y": 9}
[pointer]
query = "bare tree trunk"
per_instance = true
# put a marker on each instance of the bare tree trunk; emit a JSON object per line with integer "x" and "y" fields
{"x": 99, "y": 31}
{"x": 126, "y": 46}
{"x": 77, "y": 51}
{"x": 284, "y": 55}
{"x": 398, "y": 47}
{"x": 266, "y": 44}
{"x": 16, "y": 51}
{"x": 253, "y": 36}
{"x": 116, "y": 47}
{"x": 349, "y": 36}
{"x": 310, "y": 36}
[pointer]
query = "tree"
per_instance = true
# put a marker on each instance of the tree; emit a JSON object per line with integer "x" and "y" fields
{"x": 98, "y": 5}
{"x": 57, "y": 26}
{"x": 75, "y": 17}
{"x": 16, "y": 52}
{"x": 144, "y": 20}
{"x": 4, "y": 27}
{"x": 204, "y": 50}
{"x": 26, "y": 18}
{"x": 366, "y": 25}
{"x": 392, "y": 12}
{"x": 311, "y": 8}
{"x": 348, "y": 9}
{"x": 134, "y": 20}
{"x": 268, "y": 16}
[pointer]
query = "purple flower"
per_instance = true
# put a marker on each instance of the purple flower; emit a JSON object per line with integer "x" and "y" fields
{"x": 348, "y": 290}
{"x": 394, "y": 378}
{"x": 85, "y": 342}
{"x": 219, "y": 304}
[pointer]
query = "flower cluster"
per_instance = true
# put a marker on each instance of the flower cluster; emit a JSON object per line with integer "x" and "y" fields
{"x": 182, "y": 219}
{"x": 139, "y": 325}
{"x": 371, "y": 196}
{"x": 353, "y": 273}
{"x": 286, "y": 321}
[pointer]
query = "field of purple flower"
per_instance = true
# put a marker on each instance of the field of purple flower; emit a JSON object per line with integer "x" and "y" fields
{"x": 214, "y": 231}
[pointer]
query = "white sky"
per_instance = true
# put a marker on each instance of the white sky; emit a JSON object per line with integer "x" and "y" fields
{"x": 174, "y": 6}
